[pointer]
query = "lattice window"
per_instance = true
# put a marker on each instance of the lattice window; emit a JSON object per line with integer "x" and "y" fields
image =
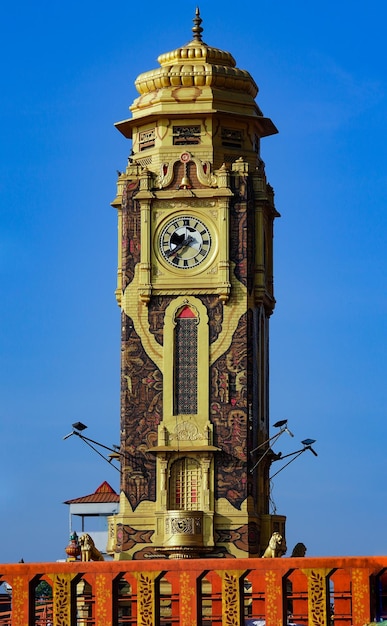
{"x": 232, "y": 138}
{"x": 185, "y": 483}
{"x": 186, "y": 363}
{"x": 186, "y": 135}
{"x": 144, "y": 162}
{"x": 257, "y": 145}
{"x": 146, "y": 139}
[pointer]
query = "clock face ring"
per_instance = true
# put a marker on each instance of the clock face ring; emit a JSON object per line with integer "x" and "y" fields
{"x": 185, "y": 242}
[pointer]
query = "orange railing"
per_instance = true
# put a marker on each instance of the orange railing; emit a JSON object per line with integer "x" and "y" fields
{"x": 339, "y": 591}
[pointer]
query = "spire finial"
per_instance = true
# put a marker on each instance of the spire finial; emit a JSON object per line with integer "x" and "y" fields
{"x": 197, "y": 29}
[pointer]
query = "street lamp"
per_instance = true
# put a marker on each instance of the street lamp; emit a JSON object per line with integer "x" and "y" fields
{"x": 78, "y": 429}
{"x": 307, "y": 443}
{"x": 137, "y": 464}
{"x": 283, "y": 425}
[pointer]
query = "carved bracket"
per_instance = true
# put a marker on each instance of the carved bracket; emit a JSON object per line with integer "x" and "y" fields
{"x": 203, "y": 171}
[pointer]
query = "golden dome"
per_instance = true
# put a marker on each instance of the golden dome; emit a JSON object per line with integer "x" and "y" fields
{"x": 197, "y": 65}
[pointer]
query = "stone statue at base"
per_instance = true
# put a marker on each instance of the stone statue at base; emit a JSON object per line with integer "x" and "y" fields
{"x": 276, "y": 547}
{"x": 88, "y": 550}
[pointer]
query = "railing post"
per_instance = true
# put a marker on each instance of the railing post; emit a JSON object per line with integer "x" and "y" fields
{"x": 102, "y": 592}
{"x": 231, "y": 596}
{"x": 62, "y": 605}
{"x": 188, "y": 605}
{"x": 20, "y": 599}
{"x": 318, "y": 598}
{"x": 274, "y": 604}
{"x": 147, "y": 612}
{"x": 361, "y": 596}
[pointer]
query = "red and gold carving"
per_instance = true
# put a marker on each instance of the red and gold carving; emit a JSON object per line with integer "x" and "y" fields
{"x": 317, "y": 592}
{"x": 231, "y": 597}
{"x": 273, "y": 598}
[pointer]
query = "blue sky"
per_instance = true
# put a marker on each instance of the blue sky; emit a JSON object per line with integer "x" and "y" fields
{"x": 67, "y": 75}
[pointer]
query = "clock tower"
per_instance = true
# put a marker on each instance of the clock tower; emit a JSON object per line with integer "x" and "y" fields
{"x": 195, "y": 288}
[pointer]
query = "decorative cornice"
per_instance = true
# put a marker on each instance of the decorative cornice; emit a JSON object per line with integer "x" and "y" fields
{"x": 193, "y": 74}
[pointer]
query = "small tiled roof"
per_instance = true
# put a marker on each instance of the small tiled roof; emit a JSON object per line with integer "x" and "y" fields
{"x": 103, "y": 493}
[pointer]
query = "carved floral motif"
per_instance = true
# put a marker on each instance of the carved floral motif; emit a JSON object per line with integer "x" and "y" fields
{"x": 273, "y": 593}
{"x": 360, "y": 583}
{"x": 317, "y": 591}
{"x": 230, "y": 604}
{"x": 62, "y": 594}
{"x": 19, "y": 601}
{"x": 187, "y": 593}
{"x": 103, "y": 595}
{"x": 146, "y": 598}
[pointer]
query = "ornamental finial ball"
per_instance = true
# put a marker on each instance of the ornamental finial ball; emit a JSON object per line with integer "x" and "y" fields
{"x": 197, "y": 29}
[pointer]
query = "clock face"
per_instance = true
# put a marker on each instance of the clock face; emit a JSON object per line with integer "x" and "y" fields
{"x": 185, "y": 242}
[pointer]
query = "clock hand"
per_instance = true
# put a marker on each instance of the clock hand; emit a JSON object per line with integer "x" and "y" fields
{"x": 187, "y": 241}
{"x": 180, "y": 245}
{"x": 176, "y": 238}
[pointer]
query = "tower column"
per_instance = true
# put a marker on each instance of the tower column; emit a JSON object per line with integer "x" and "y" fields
{"x": 195, "y": 286}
